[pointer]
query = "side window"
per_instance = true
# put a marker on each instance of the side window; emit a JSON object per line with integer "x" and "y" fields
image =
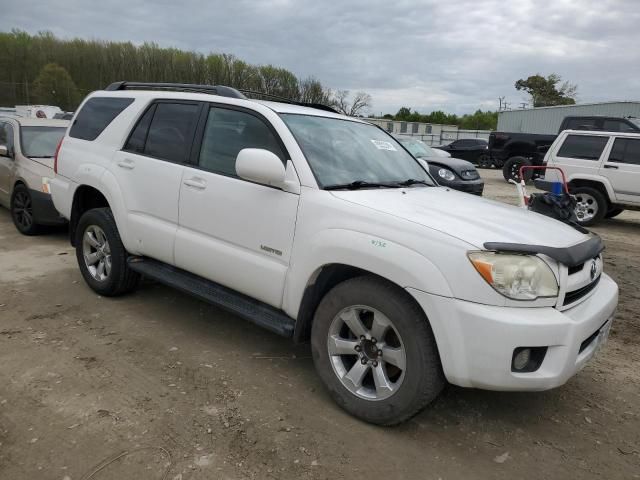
{"x": 617, "y": 126}
{"x": 6, "y": 136}
{"x": 583, "y": 147}
{"x": 96, "y": 115}
{"x": 581, "y": 124}
{"x": 171, "y": 131}
{"x": 139, "y": 135}
{"x": 229, "y": 131}
{"x": 625, "y": 150}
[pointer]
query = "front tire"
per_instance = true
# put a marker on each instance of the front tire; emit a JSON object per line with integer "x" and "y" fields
{"x": 21, "y": 208}
{"x": 101, "y": 255}
{"x": 375, "y": 351}
{"x": 511, "y": 169}
{"x": 591, "y": 205}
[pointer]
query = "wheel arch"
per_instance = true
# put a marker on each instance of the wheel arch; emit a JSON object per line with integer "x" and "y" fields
{"x": 597, "y": 183}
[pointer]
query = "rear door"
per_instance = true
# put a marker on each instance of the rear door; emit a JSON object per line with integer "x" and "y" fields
{"x": 149, "y": 171}
{"x": 232, "y": 231}
{"x": 622, "y": 168}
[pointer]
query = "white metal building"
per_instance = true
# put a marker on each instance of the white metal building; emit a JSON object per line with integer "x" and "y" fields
{"x": 430, "y": 133}
{"x": 547, "y": 120}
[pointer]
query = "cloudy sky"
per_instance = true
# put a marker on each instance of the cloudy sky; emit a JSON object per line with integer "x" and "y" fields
{"x": 455, "y": 55}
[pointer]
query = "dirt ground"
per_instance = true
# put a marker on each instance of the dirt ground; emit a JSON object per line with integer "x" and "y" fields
{"x": 159, "y": 383}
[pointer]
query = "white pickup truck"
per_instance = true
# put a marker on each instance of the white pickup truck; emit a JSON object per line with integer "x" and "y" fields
{"x": 602, "y": 170}
{"x": 323, "y": 227}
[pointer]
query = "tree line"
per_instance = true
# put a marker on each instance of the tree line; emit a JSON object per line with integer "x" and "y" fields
{"x": 45, "y": 69}
{"x": 479, "y": 120}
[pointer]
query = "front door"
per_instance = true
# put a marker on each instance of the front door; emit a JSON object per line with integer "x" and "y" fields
{"x": 149, "y": 171}
{"x": 7, "y": 163}
{"x": 622, "y": 168}
{"x": 232, "y": 231}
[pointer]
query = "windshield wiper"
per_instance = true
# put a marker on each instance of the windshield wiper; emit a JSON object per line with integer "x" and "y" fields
{"x": 358, "y": 184}
{"x": 412, "y": 181}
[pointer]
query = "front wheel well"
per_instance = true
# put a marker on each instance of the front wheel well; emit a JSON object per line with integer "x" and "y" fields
{"x": 590, "y": 183}
{"x": 85, "y": 198}
{"x": 320, "y": 283}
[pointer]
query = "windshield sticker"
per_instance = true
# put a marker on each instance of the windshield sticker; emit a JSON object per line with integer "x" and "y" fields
{"x": 382, "y": 145}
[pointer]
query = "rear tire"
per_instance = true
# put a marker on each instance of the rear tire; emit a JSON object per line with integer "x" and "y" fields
{"x": 101, "y": 255}
{"x": 511, "y": 169}
{"x": 484, "y": 160}
{"x": 591, "y": 205}
{"x": 21, "y": 208}
{"x": 397, "y": 381}
{"x": 614, "y": 212}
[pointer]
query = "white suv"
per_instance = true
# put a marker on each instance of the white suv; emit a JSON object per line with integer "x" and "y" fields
{"x": 323, "y": 227}
{"x": 602, "y": 169}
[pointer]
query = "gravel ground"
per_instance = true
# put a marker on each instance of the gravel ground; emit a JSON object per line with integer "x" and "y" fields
{"x": 158, "y": 382}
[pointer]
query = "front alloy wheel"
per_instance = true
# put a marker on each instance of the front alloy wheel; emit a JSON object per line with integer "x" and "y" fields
{"x": 366, "y": 352}
{"x": 97, "y": 253}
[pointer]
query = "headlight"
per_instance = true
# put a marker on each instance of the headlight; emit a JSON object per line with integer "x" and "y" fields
{"x": 446, "y": 174}
{"x": 519, "y": 277}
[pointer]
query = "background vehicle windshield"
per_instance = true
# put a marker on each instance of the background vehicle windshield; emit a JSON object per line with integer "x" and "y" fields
{"x": 40, "y": 141}
{"x": 418, "y": 149}
{"x": 341, "y": 151}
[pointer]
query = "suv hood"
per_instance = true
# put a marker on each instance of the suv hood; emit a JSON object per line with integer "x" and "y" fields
{"x": 472, "y": 219}
{"x": 456, "y": 164}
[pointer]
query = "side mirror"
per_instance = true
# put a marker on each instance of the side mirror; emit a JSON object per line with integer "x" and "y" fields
{"x": 4, "y": 151}
{"x": 424, "y": 163}
{"x": 260, "y": 166}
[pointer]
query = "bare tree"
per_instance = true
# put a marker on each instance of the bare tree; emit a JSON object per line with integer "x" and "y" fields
{"x": 341, "y": 102}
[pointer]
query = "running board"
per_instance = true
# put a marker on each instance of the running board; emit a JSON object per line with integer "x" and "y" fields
{"x": 253, "y": 310}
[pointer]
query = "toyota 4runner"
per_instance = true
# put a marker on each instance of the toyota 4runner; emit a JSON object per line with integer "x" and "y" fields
{"x": 322, "y": 227}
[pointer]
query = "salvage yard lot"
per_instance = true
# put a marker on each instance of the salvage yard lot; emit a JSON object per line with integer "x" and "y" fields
{"x": 84, "y": 378}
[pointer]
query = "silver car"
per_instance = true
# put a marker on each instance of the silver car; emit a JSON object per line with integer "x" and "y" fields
{"x": 27, "y": 148}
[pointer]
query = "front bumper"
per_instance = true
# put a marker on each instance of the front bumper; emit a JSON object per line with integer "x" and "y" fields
{"x": 44, "y": 212}
{"x": 475, "y": 187}
{"x": 476, "y": 342}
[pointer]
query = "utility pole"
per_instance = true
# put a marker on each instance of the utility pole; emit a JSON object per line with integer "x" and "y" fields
{"x": 501, "y": 100}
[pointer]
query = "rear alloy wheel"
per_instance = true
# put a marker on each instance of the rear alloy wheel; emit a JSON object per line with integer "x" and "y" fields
{"x": 22, "y": 211}
{"x": 484, "y": 160}
{"x": 374, "y": 350}
{"x": 591, "y": 205}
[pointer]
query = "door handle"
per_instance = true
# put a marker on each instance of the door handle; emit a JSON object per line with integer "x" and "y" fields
{"x": 127, "y": 163}
{"x": 611, "y": 166}
{"x": 196, "y": 183}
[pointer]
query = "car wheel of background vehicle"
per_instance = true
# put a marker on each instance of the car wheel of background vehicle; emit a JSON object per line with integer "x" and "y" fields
{"x": 22, "y": 211}
{"x": 511, "y": 169}
{"x": 375, "y": 351}
{"x": 614, "y": 212}
{"x": 591, "y": 205}
{"x": 484, "y": 160}
{"x": 101, "y": 256}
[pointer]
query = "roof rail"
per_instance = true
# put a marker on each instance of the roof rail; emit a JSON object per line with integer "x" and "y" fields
{"x": 278, "y": 98}
{"x": 221, "y": 90}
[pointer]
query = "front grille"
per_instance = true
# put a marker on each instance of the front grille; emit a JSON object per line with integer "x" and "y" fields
{"x": 575, "y": 295}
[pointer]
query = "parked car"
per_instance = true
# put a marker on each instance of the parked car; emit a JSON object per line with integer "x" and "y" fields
{"x": 602, "y": 170}
{"x": 474, "y": 150}
{"x": 450, "y": 172}
{"x": 27, "y": 148}
{"x": 321, "y": 227}
{"x": 513, "y": 150}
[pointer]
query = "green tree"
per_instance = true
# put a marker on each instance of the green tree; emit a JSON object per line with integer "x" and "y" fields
{"x": 403, "y": 114}
{"x": 54, "y": 86}
{"x": 548, "y": 91}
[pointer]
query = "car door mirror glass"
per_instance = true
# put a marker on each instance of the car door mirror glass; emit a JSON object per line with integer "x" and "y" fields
{"x": 260, "y": 166}
{"x": 4, "y": 151}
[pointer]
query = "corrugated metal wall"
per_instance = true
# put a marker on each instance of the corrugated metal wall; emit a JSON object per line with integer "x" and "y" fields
{"x": 548, "y": 119}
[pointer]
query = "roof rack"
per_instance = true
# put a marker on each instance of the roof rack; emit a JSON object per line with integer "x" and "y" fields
{"x": 278, "y": 98}
{"x": 221, "y": 90}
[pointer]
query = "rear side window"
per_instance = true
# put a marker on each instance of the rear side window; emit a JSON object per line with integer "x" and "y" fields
{"x": 581, "y": 124}
{"x": 171, "y": 131}
{"x": 625, "y": 150}
{"x": 96, "y": 114}
{"x": 229, "y": 131}
{"x": 583, "y": 147}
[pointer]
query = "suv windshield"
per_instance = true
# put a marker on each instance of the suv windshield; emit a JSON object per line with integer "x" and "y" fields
{"x": 40, "y": 142}
{"x": 359, "y": 155}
